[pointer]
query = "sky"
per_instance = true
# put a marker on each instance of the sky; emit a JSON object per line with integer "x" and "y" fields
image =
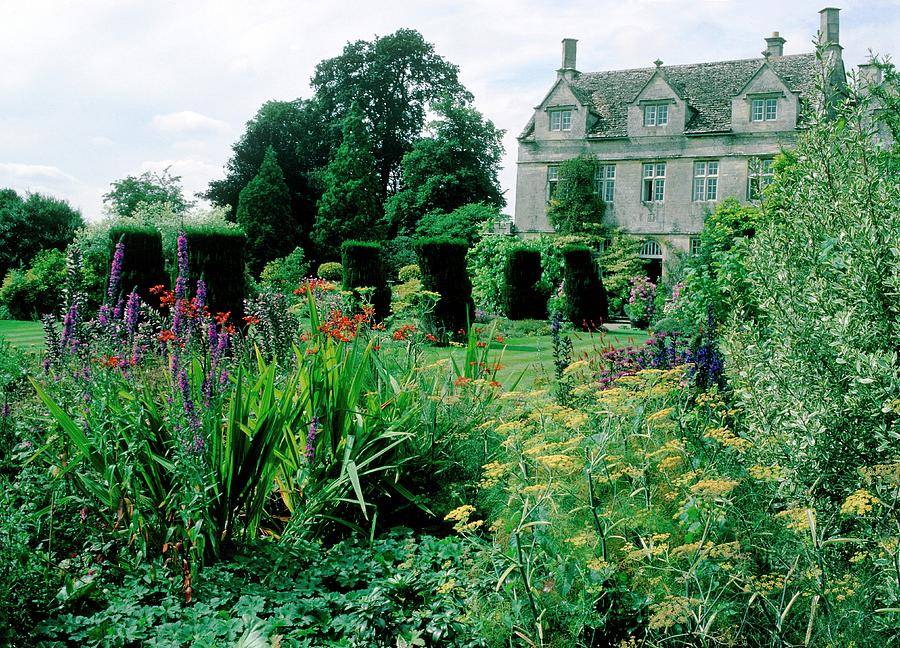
{"x": 94, "y": 90}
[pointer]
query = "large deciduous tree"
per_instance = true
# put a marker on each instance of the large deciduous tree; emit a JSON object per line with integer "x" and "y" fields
{"x": 294, "y": 130}
{"x": 393, "y": 79}
{"x": 30, "y": 225}
{"x": 264, "y": 211}
{"x": 455, "y": 164}
{"x": 149, "y": 188}
{"x": 350, "y": 206}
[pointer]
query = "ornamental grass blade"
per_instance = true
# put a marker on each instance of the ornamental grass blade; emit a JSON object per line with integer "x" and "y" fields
{"x": 357, "y": 488}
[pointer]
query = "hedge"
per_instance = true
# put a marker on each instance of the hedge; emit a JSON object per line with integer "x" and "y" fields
{"x": 586, "y": 303}
{"x": 364, "y": 267}
{"x": 143, "y": 265}
{"x": 443, "y": 265}
{"x": 330, "y": 271}
{"x": 216, "y": 255}
{"x": 523, "y": 296}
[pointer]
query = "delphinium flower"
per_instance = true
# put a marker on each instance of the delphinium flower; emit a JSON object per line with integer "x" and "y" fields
{"x": 68, "y": 341}
{"x": 181, "y": 282}
{"x": 200, "y": 298}
{"x": 311, "y": 435}
{"x": 115, "y": 271}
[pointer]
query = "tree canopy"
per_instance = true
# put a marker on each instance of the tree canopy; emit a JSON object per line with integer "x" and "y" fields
{"x": 129, "y": 193}
{"x": 455, "y": 164}
{"x": 350, "y": 206}
{"x": 393, "y": 79}
{"x": 264, "y": 211}
{"x": 32, "y": 224}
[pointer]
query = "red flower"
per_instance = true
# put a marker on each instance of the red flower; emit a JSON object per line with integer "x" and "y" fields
{"x": 251, "y": 320}
{"x": 166, "y": 336}
{"x": 462, "y": 381}
{"x": 500, "y": 339}
{"x": 222, "y": 318}
{"x": 481, "y": 345}
{"x": 431, "y": 338}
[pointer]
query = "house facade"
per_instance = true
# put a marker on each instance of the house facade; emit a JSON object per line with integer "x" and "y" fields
{"x": 671, "y": 140}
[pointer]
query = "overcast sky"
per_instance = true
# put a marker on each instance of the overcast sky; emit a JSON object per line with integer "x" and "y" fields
{"x": 93, "y": 90}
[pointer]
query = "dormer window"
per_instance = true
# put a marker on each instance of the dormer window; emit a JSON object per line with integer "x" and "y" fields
{"x": 656, "y": 115}
{"x": 763, "y": 110}
{"x": 560, "y": 120}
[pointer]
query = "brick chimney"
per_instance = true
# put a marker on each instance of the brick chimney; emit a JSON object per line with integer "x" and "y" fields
{"x": 569, "y": 51}
{"x": 775, "y": 45}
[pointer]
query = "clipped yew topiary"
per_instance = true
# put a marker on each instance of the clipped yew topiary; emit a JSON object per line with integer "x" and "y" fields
{"x": 586, "y": 304}
{"x": 523, "y": 296}
{"x": 217, "y": 255}
{"x": 364, "y": 267}
{"x": 443, "y": 265}
{"x": 142, "y": 262}
{"x": 330, "y": 271}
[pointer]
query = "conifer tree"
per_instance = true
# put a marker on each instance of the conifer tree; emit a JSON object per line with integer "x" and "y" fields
{"x": 264, "y": 211}
{"x": 350, "y": 204}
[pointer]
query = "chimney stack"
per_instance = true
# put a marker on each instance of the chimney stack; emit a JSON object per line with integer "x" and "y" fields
{"x": 830, "y": 27}
{"x": 569, "y": 49}
{"x": 869, "y": 76}
{"x": 775, "y": 45}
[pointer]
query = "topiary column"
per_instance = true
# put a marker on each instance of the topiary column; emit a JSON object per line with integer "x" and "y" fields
{"x": 142, "y": 260}
{"x": 586, "y": 304}
{"x": 443, "y": 265}
{"x": 364, "y": 267}
{"x": 523, "y": 297}
{"x": 216, "y": 255}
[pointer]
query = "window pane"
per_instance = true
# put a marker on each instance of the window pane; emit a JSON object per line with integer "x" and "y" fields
{"x": 662, "y": 115}
{"x": 609, "y": 194}
{"x": 659, "y": 189}
{"x": 552, "y": 173}
{"x": 699, "y": 168}
{"x": 648, "y": 170}
{"x": 771, "y": 109}
{"x": 768, "y": 166}
{"x": 554, "y": 120}
{"x": 711, "y": 188}
{"x": 661, "y": 168}
{"x": 566, "y": 120}
{"x": 610, "y": 170}
{"x": 649, "y": 115}
{"x": 757, "y": 112}
{"x": 712, "y": 168}
{"x": 698, "y": 189}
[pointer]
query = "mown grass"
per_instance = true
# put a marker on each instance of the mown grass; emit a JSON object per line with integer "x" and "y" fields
{"x": 27, "y": 336}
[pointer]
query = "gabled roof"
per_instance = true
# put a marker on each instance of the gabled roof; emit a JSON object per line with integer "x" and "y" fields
{"x": 708, "y": 89}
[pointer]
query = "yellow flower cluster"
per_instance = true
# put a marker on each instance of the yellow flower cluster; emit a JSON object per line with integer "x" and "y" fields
{"x": 492, "y": 473}
{"x": 713, "y": 488}
{"x": 797, "y": 519}
{"x": 885, "y": 474}
{"x": 661, "y": 415}
{"x": 461, "y": 516}
{"x": 559, "y": 462}
{"x": 843, "y": 587}
{"x": 859, "y": 503}
{"x": 766, "y": 473}
{"x": 765, "y": 583}
{"x": 672, "y": 610}
{"x": 729, "y": 439}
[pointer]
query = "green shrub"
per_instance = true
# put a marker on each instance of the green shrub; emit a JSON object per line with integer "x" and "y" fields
{"x": 409, "y": 272}
{"x": 285, "y": 274}
{"x": 524, "y": 297}
{"x": 468, "y": 222}
{"x": 364, "y": 267}
{"x": 330, "y": 271}
{"x": 216, "y": 255}
{"x": 443, "y": 264}
{"x": 620, "y": 263}
{"x": 398, "y": 253}
{"x": 28, "y": 294}
{"x": 586, "y": 305}
{"x": 142, "y": 265}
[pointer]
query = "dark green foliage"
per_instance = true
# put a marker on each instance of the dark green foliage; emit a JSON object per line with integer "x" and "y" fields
{"x": 620, "y": 262}
{"x": 127, "y": 194}
{"x": 352, "y": 594}
{"x": 455, "y": 165}
{"x": 264, "y": 211}
{"x": 399, "y": 252}
{"x": 285, "y": 274}
{"x": 524, "y": 297}
{"x": 467, "y": 222}
{"x": 443, "y": 265}
{"x": 216, "y": 255}
{"x": 351, "y": 203}
{"x": 575, "y": 206}
{"x": 143, "y": 265}
{"x": 37, "y": 290}
{"x": 586, "y": 305}
{"x": 32, "y": 224}
{"x": 393, "y": 80}
{"x": 364, "y": 267}
{"x": 294, "y": 130}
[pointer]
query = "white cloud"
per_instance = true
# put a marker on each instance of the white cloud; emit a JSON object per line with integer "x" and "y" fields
{"x": 186, "y": 121}
{"x": 40, "y": 173}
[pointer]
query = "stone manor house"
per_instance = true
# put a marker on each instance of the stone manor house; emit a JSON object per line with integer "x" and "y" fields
{"x": 672, "y": 140}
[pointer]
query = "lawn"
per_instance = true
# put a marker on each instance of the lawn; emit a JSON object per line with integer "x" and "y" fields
{"x": 24, "y": 335}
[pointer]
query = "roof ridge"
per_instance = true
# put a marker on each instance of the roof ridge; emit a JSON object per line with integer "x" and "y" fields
{"x": 684, "y": 65}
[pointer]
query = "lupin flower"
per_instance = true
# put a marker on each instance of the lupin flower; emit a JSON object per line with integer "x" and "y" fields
{"x": 69, "y": 321}
{"x": 115, "y": 271}
{"x": 200, "y": 299}
{"x": 132, "y": 312}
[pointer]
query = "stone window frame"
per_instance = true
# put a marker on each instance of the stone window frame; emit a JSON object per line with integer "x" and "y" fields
{"x": 605, "y": 181}
{"x": 653, "y": 186}
{"x": 658, "y": 110}
{"x": 552, "y": 180}
{"x": 764, "y": 107}
{"x": 703, "y": 179}
{"x": 651, "y": 249}
{"x": 760, "y": 174}
{"x": 694, "y": 246}
{"x": 564, "y": 119}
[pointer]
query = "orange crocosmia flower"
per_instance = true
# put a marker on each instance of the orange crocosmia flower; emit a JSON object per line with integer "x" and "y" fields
{"x": 166, "y": 336}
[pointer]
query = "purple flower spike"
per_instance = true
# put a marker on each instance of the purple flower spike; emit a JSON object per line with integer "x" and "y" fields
{"x": 132, "y": 312}
{"x": 115, "y": 271}
{"x": 201, "y": 294}
{"x": 181, "y": 286}
{"x": 69, "y": 322}
{"x": 311, "y": 440}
